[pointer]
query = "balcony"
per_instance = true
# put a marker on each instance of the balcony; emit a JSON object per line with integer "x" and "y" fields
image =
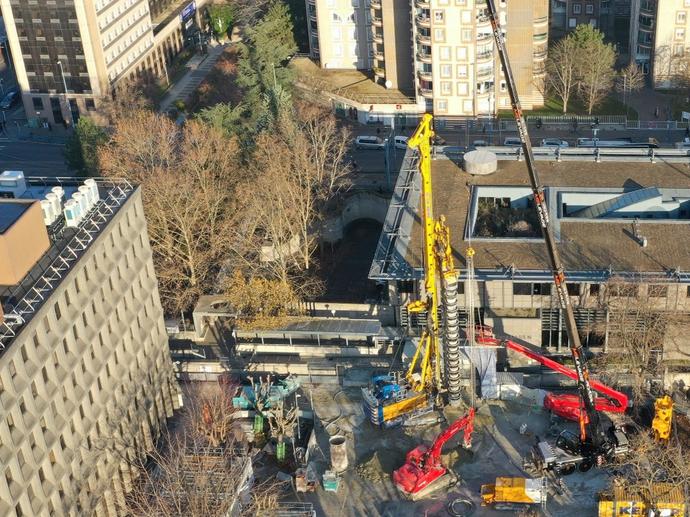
{"x": 377, "y": 36}
{"x": 424, "y": 75}
{"x": 482, "y": 19}
{"x": 543, "y": 20}
{"x": 484, "y": 56}
{"x": 423, "y": 39}
{"x": 484, "y": 36}
{"x": 422, "y": 4}
{"x": 540, "y": 55}
{"x": 485, "y": 92}
{"x": 378, "y": 55}
{"x": 379, "y": 72}
{"x": 376, "y": 21}
{"x": 483, "y": 73}
{"x": 312, "y": 15}
{"x": 424, "y": 57}
{"x": 375, "y": 4}
{"x": 647, "y": 7}
{"x": 423, "y": 21}
{"x": 427, "y": 93}
{"x": 312, "y": 2}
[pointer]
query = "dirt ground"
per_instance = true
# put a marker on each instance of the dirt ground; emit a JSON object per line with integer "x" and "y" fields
{"x": 366, "y": 488}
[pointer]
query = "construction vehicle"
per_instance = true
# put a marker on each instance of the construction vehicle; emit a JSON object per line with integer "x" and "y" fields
{"x": 594, "y": 445}
{"x": 423, "y": 472}
{"x": 514, "y": 493}
{"x": 665, "y": 499}
{"x": 390, "y": 399}
{"x": 663, "y": 415}
{"x": 566, "y": 405}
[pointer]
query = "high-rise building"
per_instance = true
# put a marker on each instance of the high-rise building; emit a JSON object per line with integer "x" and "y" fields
{"x": 69, "y": 54}
{"x": 440, "y": 50}
{"x": 667, "y": 31}
{"x": 84, "y": 364}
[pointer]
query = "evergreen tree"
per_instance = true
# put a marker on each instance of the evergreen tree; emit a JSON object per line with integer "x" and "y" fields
{"x": 81, "y": 150}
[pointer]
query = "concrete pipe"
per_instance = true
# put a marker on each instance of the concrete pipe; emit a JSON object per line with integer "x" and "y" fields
{"x": 338, "y": 444}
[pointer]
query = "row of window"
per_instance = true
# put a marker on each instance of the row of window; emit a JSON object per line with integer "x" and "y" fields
{"x": 575, "y": 289}
{"x": 577, "y": 8}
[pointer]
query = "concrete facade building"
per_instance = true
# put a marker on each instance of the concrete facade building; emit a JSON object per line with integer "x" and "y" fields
{"x": 621, "y": 229}
{"x": 671, "y": 41}
{"x": 441, "y": 52}
{"x": 70, "y": 54}
{"x": 84, "y": 359}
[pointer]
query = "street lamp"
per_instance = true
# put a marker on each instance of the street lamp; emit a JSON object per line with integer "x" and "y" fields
{"x": 64, "y": 84}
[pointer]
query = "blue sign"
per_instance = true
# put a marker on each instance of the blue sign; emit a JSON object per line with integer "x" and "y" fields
{"x": 188, "y": 12}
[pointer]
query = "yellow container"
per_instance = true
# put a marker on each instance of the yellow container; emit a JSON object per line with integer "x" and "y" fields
{"x": 664, "y": 496}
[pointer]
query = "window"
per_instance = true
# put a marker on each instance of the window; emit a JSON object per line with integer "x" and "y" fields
{"x": 577, "y": 8}
{"x": 522, "y": 288}
{"x": 58, "y": 314}
{"x": 589, "y": 9}
{"x": 446, "y": 87}
{"x": 594, "y": 289}
{"x": 444, "y": 53}
{"x": 680, "y": 17}
{"x": 337, "y": 33}
{"x": 446, "y": 71}
{"x": 90, "y": 104}
{"x": 439, "y": 35}
{"x": 679, "y": 49}
{"x": 624, "y": 290}
{"x": 543, "y": 289}
{"x": 573, "y": 289}
{"x": 462, "y": 71}
{"x": 461, "y": 53}
{"x": 336, "y": 17}
{"x": 438, "y": 16}
{"x": 466, "y": 34}
{"x": 442, "y": 105}
{"x": 658, "y": 291}
{"x": 680, "y": 33}
{"x": 572, "y": 23}
{"x": 463, "y": 89}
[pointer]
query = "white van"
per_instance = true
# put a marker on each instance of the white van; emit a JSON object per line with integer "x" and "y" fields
{"x": 368, "y": 142}
{"x": 512, "y": 142}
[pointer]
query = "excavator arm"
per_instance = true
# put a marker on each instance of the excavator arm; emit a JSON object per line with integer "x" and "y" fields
{"x": 466, "y": 423}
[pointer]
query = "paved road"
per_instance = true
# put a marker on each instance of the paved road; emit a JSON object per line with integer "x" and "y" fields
{"x": 35, "y": 159}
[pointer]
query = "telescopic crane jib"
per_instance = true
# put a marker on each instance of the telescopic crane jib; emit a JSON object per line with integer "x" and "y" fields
{"x": 594, "y": 443}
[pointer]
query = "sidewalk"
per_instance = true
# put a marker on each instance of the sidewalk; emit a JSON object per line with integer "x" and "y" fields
{"x": 199, "y": 66}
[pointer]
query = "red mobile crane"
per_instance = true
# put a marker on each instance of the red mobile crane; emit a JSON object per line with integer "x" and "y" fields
{"x": 423, "y": 471}
{"x": 594, "y": 445}
{"x": 566, "y": 406}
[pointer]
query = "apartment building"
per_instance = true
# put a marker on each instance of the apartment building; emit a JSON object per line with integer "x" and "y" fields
{"x": 68, "y": 54}
{"x": 85, "y": 369}
{"x": 442, "y": 51}
{"x": 621, "y": 229}
{"x": 667, "y": 34}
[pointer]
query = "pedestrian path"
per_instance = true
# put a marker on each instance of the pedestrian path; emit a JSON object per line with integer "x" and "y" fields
{"x": 199, "y": 67}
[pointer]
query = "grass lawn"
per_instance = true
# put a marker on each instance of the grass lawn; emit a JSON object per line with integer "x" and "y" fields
{"x": 554, "y": 107}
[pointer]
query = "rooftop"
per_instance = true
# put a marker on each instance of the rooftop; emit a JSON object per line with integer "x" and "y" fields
{"x": 10, "y": 212}
{"x": 596, "y": 239}
{"x": 69, "y": 239}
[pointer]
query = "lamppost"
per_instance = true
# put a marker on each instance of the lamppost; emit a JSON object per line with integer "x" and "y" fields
{"x": 64, "y": 84}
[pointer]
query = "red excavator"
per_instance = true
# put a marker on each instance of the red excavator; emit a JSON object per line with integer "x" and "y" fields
{"x": 423, "y": 471}
{"x": 568, "y": 406}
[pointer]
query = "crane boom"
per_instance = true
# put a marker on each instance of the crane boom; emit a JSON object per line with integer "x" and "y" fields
{"x": 590, "y": 429}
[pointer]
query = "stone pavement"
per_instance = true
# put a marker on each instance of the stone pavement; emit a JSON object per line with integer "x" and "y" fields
{"x": 199, "y": 66}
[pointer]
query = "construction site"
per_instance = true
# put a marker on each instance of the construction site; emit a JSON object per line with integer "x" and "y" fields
{"x": 479, "y": 384}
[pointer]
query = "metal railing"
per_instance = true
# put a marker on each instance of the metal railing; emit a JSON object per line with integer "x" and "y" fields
{"x": 26, "y": 305}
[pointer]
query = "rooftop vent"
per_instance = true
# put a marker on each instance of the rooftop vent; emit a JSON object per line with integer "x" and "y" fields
{"x": 12, "y": 184}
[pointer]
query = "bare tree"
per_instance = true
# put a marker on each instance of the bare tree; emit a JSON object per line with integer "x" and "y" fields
{"x": 299, "y": 170}
{"x": 561, "y": 70}
{"x": 260, "y": 302}
{"x": 193, "y": 198}
{"x": 650, "y": 464}
{"x": 630, "y": 79}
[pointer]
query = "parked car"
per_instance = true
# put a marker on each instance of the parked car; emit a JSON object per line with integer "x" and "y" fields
{"x": 439, "y": 140}
{"x": 10, "y": 99}
{"x": 480, "y": 143}
{"x": 368, "y": 142}
{"x": 512, "y": 142}
{"x": 554, "y": 142}
{"x": 401, "y": 142}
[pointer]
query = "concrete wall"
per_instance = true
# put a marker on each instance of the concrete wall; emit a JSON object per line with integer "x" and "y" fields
{"x": 363, "y": 205}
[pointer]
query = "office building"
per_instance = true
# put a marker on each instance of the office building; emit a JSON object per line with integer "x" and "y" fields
{"x": 68, "y": 55}
{"x": 441, "y": 51}
{"x": 84, "y": 361}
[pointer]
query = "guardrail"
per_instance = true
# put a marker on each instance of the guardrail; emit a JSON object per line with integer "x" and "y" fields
{"x": 575, "y": 153}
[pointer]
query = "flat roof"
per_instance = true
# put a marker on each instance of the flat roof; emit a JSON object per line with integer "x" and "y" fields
{"x": 587, "y": 247}
{"x": 325, "y": 327}
{"x": 10, "y": 212}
